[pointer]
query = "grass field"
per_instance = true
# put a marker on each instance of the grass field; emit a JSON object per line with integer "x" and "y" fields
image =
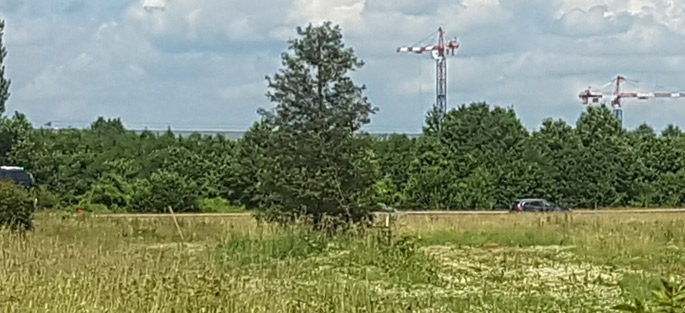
{"x": 495, "y": 263}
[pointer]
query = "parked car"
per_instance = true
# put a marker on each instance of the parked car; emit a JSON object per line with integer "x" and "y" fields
{"x": 19, "y": 176}
{"x": 536, "y": 205}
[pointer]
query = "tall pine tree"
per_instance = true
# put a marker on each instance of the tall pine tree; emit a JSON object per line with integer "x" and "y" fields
{"x": 4, "y": 82}
{"x": 316, "y": 164}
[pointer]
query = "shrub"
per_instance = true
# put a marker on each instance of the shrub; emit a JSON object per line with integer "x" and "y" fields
{"x": 385, "y": 192}
{"x": 46, "y": 198}
{"x": 165, "y": 189}
{"x": 219, "y": 205}
{"x": 111, "y": 191}
{"x": 16, "y": 207}
{"x": 91, "y": 207}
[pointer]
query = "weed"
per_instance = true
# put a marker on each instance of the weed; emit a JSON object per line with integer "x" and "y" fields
{"x": 77, "y": 262}
{"x": 668, "y": 298}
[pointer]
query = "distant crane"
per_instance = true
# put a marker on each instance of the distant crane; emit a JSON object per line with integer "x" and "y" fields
{"x": 439, "y": 52}
{"x": 593, "y": 97}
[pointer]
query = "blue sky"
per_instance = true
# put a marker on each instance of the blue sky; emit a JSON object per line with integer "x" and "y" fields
{"x": 200, "y": 64}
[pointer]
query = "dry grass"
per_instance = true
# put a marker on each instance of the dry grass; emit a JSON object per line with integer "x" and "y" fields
{"x": 497, "y": 263}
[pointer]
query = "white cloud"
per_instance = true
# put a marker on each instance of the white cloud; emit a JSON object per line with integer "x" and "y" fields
{"x": 597, "y": 21}
{"x": 468, "y": 15}
{"x": 346, "y": 12}
{"x": 189, "y": 25}
{"x": 669, "y": 13}
{"x": 204, "y": 62}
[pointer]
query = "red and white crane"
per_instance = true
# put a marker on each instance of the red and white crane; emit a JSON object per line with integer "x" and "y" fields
{"x": 597, "y": 97}
{"x": 439, "y": 52}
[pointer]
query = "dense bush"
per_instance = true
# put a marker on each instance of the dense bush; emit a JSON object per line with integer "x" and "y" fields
{"x": 163, "y": 190}
{"x": 46, "y": 198}
{"x": 16, "y": 207}
{"x": 111, "y": 191}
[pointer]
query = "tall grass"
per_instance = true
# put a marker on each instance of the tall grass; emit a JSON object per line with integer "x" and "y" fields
{"x": 517, "y": 263}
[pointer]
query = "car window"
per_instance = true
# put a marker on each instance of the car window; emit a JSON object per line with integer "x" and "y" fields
{"x": 535, "y": 203}
{"x": 547, "y": 203}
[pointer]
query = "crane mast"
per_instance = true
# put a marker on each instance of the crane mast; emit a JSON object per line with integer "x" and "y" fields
{"x": 589, "y": 96}
{"x": 439, "y": 52}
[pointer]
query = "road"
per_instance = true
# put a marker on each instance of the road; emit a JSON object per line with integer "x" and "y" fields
{"x": 426, "y": 213}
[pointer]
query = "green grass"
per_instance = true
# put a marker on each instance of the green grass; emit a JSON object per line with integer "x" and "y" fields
{"x": 531, "y": 263}
{"x": 495, "y": 237}
{"x": 219, "y": 205}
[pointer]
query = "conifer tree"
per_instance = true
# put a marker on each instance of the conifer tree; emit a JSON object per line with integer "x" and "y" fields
{"x": 317, "y": 164}
{"x": 4, "y": 82}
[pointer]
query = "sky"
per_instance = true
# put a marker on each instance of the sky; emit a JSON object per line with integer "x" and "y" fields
{"x": 201, "y": 64}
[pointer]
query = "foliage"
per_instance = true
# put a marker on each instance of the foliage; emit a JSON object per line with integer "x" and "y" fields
{"x": 46, "y": 198}
{"x": 106, "y": 163}
{"x": 385, "y": 192}
{"x": 14, "y": 131}
{"x": 481, "y": 159}
{"x": 671, "y": 131}
{"x": 250, "y": 158}
{"x": 476, "y": 149}
{"x": 669, "y": 298}
{"x": 163, "y": 190}
{"x": 16, "y": 207}
{"x": 432, "y": 177}
{"x": 219, "y": 205}
{"x": 4, "y": 82}
{"x": 316, "y": 163}
{"x": 393, "y": 157}
{"x": 110, "y": 191}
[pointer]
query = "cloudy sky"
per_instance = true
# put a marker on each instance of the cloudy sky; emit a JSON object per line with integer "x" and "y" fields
{"x": 200, "y": 64}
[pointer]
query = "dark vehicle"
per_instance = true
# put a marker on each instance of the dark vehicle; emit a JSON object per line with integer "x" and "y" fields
{"x": 18, "y": 175}
{"x": 536, "y": 205}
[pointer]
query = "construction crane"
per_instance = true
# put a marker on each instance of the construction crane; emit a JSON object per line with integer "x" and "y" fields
{"x": 597, "y": 97}
{"x": 439, "y": 52}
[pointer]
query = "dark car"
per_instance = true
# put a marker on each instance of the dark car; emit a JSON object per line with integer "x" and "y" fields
{"x": 20, "y": 177}
{"x": 536, "y": 205}
{"x": 17, "y": 175}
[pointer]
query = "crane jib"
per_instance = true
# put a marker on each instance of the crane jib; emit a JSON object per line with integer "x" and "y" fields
{"x": 592, "y": 97}
{"x": 439, "y": 52}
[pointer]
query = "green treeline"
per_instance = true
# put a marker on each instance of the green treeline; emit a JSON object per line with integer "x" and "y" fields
{"x": 481, "y": 158}
{"x": 484, "y": 158}
{"x": 307, "y": 155}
